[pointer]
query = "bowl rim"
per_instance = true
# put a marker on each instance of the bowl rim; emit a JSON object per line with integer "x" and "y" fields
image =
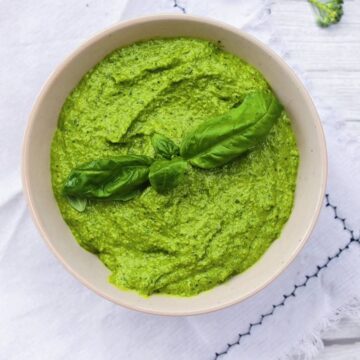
{"x": 138, "y": 21}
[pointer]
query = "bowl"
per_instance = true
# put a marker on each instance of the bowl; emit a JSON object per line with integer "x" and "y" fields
{"x": 85, "y": 266}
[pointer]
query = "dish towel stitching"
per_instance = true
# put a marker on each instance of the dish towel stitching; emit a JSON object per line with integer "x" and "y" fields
{"x": 180, "y": 7}
{"x": 319, "y": 268}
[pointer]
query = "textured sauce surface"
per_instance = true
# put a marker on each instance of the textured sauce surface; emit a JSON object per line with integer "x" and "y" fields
{"x": 215, "y": 224}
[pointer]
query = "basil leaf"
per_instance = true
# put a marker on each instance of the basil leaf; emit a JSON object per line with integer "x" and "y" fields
{"x": 164, "y": 146}
{"x": 166, "y": 174}
{"x": 119, "y": 178}
{"x": 220, "y": 139}
{"x": 77, "y": 203}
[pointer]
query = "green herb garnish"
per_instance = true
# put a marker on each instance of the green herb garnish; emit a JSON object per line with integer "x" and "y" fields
{"x": 213, "y": 143}
{"x": 167, "y": 174}
{"x": 120, "y": 178}
{"x": 164, "y": 146}
{"x": 77, "y": 203}
{"x": 221, "y": 139}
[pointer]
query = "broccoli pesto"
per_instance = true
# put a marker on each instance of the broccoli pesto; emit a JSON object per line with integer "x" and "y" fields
{"x": 210, "y": 225}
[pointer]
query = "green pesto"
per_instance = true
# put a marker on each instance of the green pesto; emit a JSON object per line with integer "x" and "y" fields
{"x": 215, "y": 223}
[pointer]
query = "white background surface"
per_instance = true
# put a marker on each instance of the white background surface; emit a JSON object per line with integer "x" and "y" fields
{"x": 329, "y": 57}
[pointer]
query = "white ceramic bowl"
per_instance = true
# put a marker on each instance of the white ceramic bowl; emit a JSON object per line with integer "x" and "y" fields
{"x": 306, "y": 124}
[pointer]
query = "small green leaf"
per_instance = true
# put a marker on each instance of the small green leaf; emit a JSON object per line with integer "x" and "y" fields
{"x": 164, "y": 146}
{"x": 77, "y": 203}
{"x": 221, "y": 139}
{"x": 167, "y": 174}
{"x": 118, "y": 178}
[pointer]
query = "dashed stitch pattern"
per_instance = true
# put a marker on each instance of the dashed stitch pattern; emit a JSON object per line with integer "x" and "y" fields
{"x": 319, "y": 268}
{"x": 177, "y": 5}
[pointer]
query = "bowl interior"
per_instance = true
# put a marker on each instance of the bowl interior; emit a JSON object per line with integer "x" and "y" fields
{"x": 311, "y": 178}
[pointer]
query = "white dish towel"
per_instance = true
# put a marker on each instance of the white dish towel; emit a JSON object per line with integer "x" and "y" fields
{"x": 46, "y": 314}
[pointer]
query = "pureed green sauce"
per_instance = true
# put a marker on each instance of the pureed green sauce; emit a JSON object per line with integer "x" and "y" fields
{"x": 216, "y": 223}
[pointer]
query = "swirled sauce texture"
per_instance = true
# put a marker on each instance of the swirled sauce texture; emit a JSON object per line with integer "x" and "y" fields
{"x": 215, "y": 224}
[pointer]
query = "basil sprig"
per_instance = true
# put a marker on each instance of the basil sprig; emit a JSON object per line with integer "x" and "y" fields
{"x": 164, "y": 146}
{"x": 77, "y": 203}
{"x": 221, "y": 139}
{"x": 166, "y": 174}
{"x": 213, "y": 143}
{"x": 120, "y": 178}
